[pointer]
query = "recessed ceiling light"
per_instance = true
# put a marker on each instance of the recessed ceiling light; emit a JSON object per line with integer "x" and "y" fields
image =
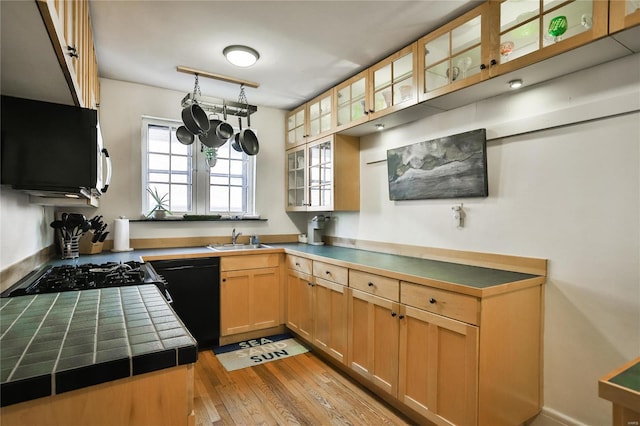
{"x": 515, "y": 84}
{"x": 241, "y": 56}
{"x": 379, "y": 126}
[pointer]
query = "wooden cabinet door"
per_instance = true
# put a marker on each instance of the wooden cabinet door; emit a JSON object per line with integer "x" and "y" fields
{"x": 249, "y": 300}
{"x": 321, "y": 117}
{"x": 296, "y": 127}
{"x": 321, "y": 172}
{"x": 394, "y": 82}
{"x": 438, "y": 365}
{"x": 330, "y": 306}
{"x": 300, "y": 303}
{"x": 296, "y": 183}
{"x": 351, "y": 102}
{"x": 623, "y": 14}
{"x": 235, "y": 304}
{"x": 373, "y": 339}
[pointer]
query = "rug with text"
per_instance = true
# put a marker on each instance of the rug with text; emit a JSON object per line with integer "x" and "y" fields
{"x": 258, "y": 351}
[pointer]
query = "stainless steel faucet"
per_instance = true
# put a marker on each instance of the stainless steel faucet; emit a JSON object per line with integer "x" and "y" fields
{"x": 234, "y": 236}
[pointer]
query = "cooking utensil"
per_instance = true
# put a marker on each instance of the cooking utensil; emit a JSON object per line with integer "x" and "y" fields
{"x": 193, "y": 116}
{"x": 248, "y": 139}
{"x": 211, "y": 139}
{"x": 184, "y": 135}
{"x": 235, "y": 143}
{"x": 224, "y": 130}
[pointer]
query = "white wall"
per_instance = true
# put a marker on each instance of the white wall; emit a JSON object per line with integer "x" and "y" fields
{"x": 122, "y": 106}
{"x": 569, "y": 194}
{"x": 24, "y": 227}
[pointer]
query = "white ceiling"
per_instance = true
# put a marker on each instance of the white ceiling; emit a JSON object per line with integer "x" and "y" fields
{"x": 305, "y": 47}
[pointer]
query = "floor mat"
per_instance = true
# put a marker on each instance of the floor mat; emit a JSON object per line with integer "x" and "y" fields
{"x": 258, "y": 351}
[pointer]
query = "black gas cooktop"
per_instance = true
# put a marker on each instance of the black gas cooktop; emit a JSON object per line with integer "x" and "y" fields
{"x": 54, "y": 279}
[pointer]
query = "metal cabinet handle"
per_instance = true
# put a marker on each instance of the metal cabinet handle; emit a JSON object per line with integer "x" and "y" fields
{"x": 72, "y": 51}
{"x": 401, "y": 317}
{"x": 393, "y": 314}
{"x": 493, "y": 62}
{"x": 370, "y": 284}
{"x": 327, "y": 272}
{"x": 432, "y": 300}
{"x": 483, "y": 67}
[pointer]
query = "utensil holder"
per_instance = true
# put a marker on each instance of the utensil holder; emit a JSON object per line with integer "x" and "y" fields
{"x": 70, "y": 247}
{"x": 87, "y": 246}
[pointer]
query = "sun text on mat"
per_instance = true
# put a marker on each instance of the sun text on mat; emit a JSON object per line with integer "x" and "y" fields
{"x": 262, "y": 350}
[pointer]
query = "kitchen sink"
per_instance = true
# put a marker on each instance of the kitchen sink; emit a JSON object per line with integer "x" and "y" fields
{"x": 230, "y": 247}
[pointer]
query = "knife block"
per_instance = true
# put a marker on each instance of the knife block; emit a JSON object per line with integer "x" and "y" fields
{"x": 87, "y": 247}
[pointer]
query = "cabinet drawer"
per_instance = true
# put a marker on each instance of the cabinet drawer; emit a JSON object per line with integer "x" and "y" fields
{"x": 388, "y": 288}
{"x": 252, "y": 261}
{"x": 300, "y": 264}
{"x": 449, "y": 304}
{"x": 337, "y": 274}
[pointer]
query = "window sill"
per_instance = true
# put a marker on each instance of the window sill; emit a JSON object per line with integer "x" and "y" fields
{"x": 199, "y": 219}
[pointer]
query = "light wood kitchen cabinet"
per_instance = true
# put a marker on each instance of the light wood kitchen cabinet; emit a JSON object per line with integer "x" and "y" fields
{"x": 330, "y": 309}
{"x": 300, "y": 303}
{"x": 524, "y": 33}
{"x": 373, "y": 339}
{"x": 68, "y": 23}
{"x": 296, "y": 127}
{"x": 438, "y": 367}
{"x": 394, "y": 82}
{"x": 249, "y": 293}
{"x": 311, "y": 121}
{"x": 331, "y": 175}
{"x": 455, "y": 55}
{"x": 623, "y": 14}
{"x": 352, "y": 103}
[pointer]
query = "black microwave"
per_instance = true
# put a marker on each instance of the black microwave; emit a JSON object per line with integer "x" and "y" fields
{"x": 51, "y": 149}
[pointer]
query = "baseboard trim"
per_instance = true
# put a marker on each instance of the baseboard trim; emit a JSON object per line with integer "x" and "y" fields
{"x": 552, "y": 417}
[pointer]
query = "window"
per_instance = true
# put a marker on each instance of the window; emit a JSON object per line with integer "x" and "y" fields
{"x": 182, "y": 172}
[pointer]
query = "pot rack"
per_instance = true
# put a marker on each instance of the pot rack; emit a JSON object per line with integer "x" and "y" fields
{"x": 217, "y": 106}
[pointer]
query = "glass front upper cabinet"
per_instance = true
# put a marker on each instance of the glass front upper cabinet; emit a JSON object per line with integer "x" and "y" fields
{"x": 351, "y": 101}
{"x": 320, "y": 186}
{"x": 394, "y": 82}
{"x": 453, "y": 56}
{"x": 623, "y": 14}
{"x": 321, "y": 116}
{"x": 296, "y": 127}
{"x": 532, "y": 30}
{"x": 296, "y": 183}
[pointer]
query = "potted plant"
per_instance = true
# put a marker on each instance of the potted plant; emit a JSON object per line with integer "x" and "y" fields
{"x": 161, "y": 208}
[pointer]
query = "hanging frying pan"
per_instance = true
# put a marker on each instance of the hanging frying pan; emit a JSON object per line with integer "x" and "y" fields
{"x": 211, "y": 138}
{"x": 235, "y": 141}
{"x": 184, "y": 135}
{"x": 248, "y": 139}
{"x": 195, "y": 119}
{"x": 224, "y": 130}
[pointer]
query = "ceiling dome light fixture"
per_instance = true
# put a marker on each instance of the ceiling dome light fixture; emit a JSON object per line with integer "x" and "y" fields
{"x": 241, "y": 56}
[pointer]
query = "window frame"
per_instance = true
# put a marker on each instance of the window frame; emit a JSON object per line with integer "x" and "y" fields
{"x": 200, "y": 173}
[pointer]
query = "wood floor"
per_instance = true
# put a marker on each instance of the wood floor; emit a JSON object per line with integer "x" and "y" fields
{"x": 299, "y": 390}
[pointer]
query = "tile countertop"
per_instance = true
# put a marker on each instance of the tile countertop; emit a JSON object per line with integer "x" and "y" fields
{"x": 58, "y": 342}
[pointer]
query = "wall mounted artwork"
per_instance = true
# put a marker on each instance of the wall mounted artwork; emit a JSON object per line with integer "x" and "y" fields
{"x": 449, "y": 167}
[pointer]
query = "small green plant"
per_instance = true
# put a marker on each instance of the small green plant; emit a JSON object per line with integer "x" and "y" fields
{"x": 162, "y": 203}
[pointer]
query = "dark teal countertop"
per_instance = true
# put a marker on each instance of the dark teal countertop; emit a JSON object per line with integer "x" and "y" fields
{"x": 472, "y": 276}
{"x": 629, "y": 378}
{"x": 58, "y": 342}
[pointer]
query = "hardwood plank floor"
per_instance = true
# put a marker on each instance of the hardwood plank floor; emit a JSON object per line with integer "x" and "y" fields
{"x": 299, "y": 390}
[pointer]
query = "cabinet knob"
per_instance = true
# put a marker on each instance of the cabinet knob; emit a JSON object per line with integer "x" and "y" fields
{"x": 370, "y": 284}
{"x": 401, "y": 317}
{"x": 483, "y": 67}
{"x": 493, "y": 62}
{"x": 224, "y": 280}
{"x": 432, "y": 300}
{"x": 72, "y": 51}
{"x": 371, "y": 111}
{"x": 328, "y": 272}
{"x": 297, "y": 264}
{"x": 393, "y": 314}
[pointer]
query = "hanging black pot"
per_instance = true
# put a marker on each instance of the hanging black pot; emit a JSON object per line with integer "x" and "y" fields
{"x": 248, "y": 139}
{"x": 235, "y": 141}
{"x": 184, "y": 135}
{"x": 195, "y": 119}
{"x": 211, "y": 138}
{"x": 224, "y": 130}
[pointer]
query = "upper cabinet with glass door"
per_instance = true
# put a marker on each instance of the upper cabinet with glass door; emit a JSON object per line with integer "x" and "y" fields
{"x": 394, "y": 82}
{"x": 623, "y": 14}
{"x": 351, "y": 101}
{"x": 321, "y": 119}
{"x": 296, "y": 127}
{"x": 529, "y": 31}
{"x": 455, "y": 55}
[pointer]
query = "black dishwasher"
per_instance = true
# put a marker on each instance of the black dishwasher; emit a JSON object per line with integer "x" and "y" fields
{"x": 194, "y": 285}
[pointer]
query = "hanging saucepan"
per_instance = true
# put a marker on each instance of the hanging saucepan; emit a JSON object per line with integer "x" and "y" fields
{"x": 195, "y": 119}
{"x": 184, "y": 135}
{"x": 235, "y": 140}
{"x": 224, "y": 130}
{"x": 248, "y": 139}
{"x": 211, "y": 138}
